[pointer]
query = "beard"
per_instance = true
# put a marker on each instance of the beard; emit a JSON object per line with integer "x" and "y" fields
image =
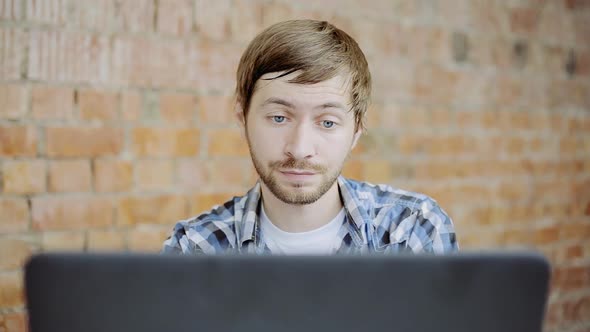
{"x": 295, "y": 193}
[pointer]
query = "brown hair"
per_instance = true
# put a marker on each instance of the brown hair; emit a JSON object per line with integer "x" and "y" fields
{"x": 316, "y": 48}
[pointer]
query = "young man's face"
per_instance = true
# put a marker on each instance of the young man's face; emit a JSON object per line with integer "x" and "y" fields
{"x": 300, "y": 135}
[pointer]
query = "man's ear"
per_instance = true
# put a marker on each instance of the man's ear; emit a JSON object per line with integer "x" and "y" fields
{"x": 356, "y": 137}
{"x": 239, "y": 114}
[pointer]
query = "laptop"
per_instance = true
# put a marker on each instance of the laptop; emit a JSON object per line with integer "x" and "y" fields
{"x": 142, "y": 292}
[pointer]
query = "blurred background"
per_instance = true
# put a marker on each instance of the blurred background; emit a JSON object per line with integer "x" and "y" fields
{"x": 116, "y": 122}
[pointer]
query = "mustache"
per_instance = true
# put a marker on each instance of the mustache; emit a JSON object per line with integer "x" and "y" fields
{"x": 298, "y": 164}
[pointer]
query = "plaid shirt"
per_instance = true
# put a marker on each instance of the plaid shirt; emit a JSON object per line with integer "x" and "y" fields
{"x": 378, "y": 219}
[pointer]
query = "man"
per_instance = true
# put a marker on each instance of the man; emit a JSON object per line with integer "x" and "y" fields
{"x": 302, "y": 92}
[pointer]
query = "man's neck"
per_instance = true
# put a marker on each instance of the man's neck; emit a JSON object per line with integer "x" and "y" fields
{"x": 302, "y": 218}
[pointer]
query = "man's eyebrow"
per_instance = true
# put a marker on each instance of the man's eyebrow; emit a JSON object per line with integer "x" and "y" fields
{"x": 333, "y": 105}
{"x": 279, "y": 101}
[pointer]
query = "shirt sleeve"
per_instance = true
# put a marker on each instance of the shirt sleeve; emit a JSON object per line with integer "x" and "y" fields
{"x": 433, "y": 230}
{"x": 178, "y": 242}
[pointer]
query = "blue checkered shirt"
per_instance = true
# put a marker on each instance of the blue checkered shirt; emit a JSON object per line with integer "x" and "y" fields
{"x": 378, "y": 219}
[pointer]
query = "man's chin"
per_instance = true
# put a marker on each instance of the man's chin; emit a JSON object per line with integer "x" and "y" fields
{"x": 297, "y": 193}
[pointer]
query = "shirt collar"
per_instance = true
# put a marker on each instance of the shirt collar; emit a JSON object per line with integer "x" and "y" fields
{"x": 248, "y": 226}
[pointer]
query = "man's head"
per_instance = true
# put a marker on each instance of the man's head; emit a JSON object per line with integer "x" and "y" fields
{"x": 302, "y": 93}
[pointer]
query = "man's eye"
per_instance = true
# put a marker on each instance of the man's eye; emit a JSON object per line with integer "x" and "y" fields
{"x": 278, "y": 118}
{"x": 328, "y": 124}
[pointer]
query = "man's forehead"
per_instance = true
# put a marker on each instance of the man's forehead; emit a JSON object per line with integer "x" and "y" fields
{"x": 339, "y": 84}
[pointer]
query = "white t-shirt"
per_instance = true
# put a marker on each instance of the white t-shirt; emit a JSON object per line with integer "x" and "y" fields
{"x": 320, "y": 241}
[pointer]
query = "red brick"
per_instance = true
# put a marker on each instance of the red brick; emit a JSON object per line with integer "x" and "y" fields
{"x": 212, "y": 18}
{"x": 15, "y": 321}
{"x": 70, "y": 175}
{"x": 105, "y": 240}
{"x": 162, "y": 209}
{"x": 48, "y": 11}
{"x": 14, "y": 252}
{"x": 368, "y": 145}
{"x": 11, "y": 10}
{"x": 458, "y": 145}
{"x": 191, "y": 173}
{"x": 92, "y": 15}
{"x": 390, "y": 116}
{"x": 227, "y": 175}
{"x": 83, "y": 142}
{"x": 63, "y": 241}
{"x": 577, "y": 231}
{"x": 377, "y": 171}
{"x": 353, "y": 169}
{"x": 98, "y": 105}
{"x": 397, "y": 83}
{"x": 24, "y": 176}
{"x": 412, "y": 145}
{"x": 178, "y": 108}
{"x": 175, "y": 17}
{"x": 567, "y": 146}
{"x": 513, "y": 191}
{"x": 52, "y": 102}
{"x": 138, "y": 61}
{"x": 131, "y": 105}
{"x": 546, "y": 235}
{"x": 200, "y": 203}
{"x": 135, "y": 15}
{"x": 68, "y": 56}
{"x": 214, "y": 110}
{"x": 469, "y": 193}
{"x": 582, "y": 29}
{"x": 18, "y": 141}
{"x": 373, "y": 115}
{"x": 251, "y": 178}
{"x": 481, "y": 240}
{"x": 112, "y": 175}
{"x": 75, "y": 212}
{"x": 13, "y": 101}
{"x": 11, "y": 290}
{"x": 211, "y": 67}
{"x": 493, "y": 52}
{"x": 427, "y": 43}
{"x": 435, "y": 84}
{"x": 572, "y": 278}
{"x": 161, "y": 142}
{"x": 14, "y": 215}
{"x": 576, "y": 4}
{"x": 245, "y": 20}
{"x": 573, "y": 252}
{"x": 13, "y": 43}
{"x": 147, "y": 239}
{"x": 227, "y": 142}
{"x": 518, "y": 238}
{"x": 552, "y": 315}
{"x": 432, "y": 170}
{"x": 488, "y": 16}
{"x": 524, "y": 20}
{"x": 275, "y": 12}
{"x": 577, "y": 310}
{"x": 553, "y": 16}
{"x": 154, "y": 174}
{"x": 515, "y": 146}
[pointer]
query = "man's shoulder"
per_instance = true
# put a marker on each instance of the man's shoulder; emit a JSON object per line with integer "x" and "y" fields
{"x": 406, "y": 218}
{"x": 383, "y": 194}
{"x": 209, "y": 231}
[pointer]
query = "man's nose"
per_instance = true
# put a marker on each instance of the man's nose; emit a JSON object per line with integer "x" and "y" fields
{"x": 300, "y": 142}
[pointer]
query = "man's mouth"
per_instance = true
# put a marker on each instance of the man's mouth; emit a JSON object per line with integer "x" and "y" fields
{"x": 297, "y": 172}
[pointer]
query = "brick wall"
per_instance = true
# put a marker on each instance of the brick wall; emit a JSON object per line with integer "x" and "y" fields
{"x": 115, "y": 121}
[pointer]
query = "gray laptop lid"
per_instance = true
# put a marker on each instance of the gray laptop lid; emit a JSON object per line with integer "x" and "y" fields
{"x": 133, "y": 293}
